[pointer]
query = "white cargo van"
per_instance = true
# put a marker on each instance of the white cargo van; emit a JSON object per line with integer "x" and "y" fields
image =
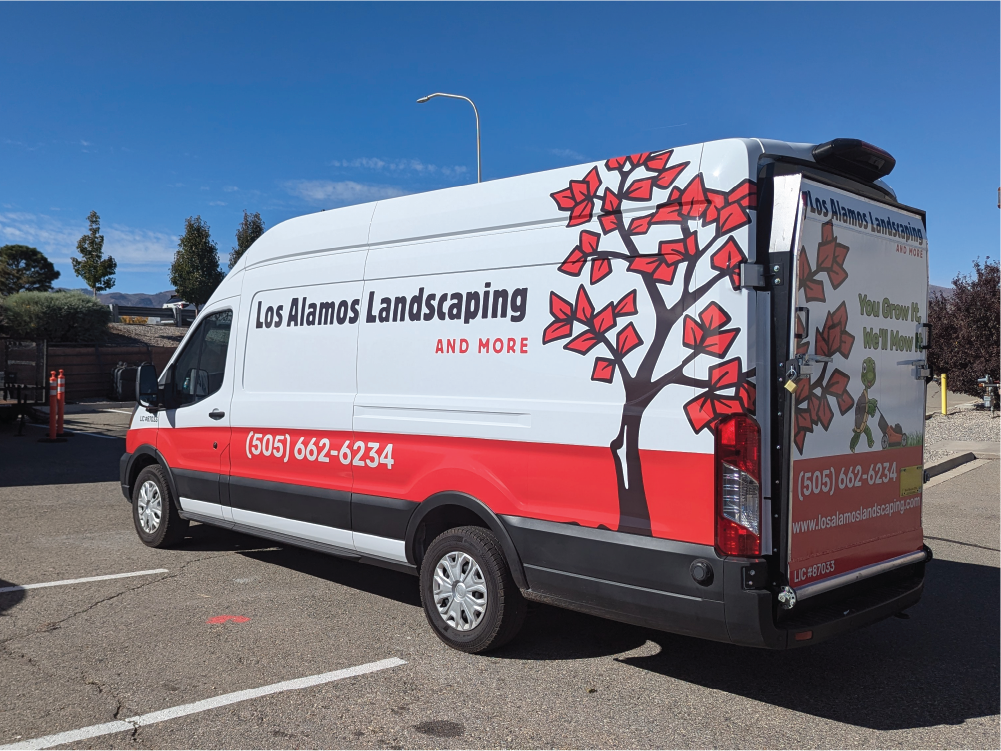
{"x": 682, "y": 388}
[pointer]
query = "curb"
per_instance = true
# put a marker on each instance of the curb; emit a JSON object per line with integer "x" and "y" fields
{"x": 951, "y": 463}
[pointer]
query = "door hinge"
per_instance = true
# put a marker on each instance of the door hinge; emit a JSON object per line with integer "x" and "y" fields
{"x": 752, "y": 276}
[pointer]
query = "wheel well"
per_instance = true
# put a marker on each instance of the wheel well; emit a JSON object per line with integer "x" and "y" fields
{"x": 440, "y": 519}
{"x": 138, "y": 465}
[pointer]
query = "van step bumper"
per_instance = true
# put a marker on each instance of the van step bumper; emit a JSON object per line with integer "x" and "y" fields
{"x": 752, "y": 619}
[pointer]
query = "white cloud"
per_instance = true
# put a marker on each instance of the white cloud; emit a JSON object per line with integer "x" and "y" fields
{"x": 217, "y": 203}
{"x": 568, "y": 154}
{"x": 399, "y": 165}
{"x": 230, "y": 189}
{"x": 85, "y": 143}
{"x": 344, "y": 193}
{"x": 134, "y": 249}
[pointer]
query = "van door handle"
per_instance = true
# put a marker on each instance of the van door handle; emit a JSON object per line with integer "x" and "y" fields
{"x": 216, "y": 414}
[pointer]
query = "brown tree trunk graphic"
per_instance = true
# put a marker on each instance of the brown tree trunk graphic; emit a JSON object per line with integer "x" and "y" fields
{"x": 705, "y": 335}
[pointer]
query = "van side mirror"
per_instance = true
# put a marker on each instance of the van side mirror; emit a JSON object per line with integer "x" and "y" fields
{"x": 147, "y": 387}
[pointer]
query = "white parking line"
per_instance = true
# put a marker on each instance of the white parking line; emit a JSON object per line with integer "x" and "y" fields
{"x": 120, "y": 411}
{"x": 130, "y": 724}
{"x": 22, "y": 587}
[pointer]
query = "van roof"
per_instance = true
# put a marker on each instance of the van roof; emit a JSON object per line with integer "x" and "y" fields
{"x": 519, "y": 201}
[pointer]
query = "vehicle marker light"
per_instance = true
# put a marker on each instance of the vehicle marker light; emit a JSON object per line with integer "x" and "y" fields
{"x": 738, "y": 488}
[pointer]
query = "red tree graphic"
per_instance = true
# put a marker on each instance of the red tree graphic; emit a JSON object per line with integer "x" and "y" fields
{"x": 813, "y": 396}
{"x": 727, "y": 389}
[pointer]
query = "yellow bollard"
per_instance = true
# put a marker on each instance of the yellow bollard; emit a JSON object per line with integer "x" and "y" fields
{"x": 945, "y": 404}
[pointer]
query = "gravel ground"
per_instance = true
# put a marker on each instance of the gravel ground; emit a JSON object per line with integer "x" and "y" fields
{"x": 130, "y": 335}
{"x": 959, "y": 425}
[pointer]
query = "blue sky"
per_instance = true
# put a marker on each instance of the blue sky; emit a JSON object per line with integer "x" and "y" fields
{"x": 151, "y": 113}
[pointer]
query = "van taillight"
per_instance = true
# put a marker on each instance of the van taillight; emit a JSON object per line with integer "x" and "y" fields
{"x": 738, "y": 486}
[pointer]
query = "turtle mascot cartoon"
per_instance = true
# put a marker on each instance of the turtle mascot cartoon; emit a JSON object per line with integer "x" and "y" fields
{"x": 865, "y": 407}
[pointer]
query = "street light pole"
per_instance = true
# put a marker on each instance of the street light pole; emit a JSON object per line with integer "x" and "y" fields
{"x": 479, "y": 170}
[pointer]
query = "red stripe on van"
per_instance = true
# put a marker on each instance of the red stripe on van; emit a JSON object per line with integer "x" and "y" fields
{"x": 555, "y": 482}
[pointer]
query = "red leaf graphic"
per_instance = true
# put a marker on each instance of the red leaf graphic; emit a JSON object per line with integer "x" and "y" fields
{"x": 640, "y": 225}
{"x": 578, "y": 198}
{"x": 713, "y": 316}
{"x": 814, "y": 404}
{"x": 669, "y": 175}
{"x": 803, "y": 266}
{"x": 840, "y": 315}
{"x": 732, "y": 216}
{"x": 700, "y": 412}
{"x": 728, "y": 405}
{"x": 610, "y": 202}
{"x": 667, "y": 213}
{"x": 845, "y": 402}
{"x": 725, "y": 374}
{"x": 600, "y": 268}
{"x": 798, "y": 439}
{"x": 827, "y": 231}
{"x": 727, "y": 257}
{"x": 693, "y": 333}
{"x": 559, "y": 308}
{"x": 609, "y": 222}
{"x": 604, "y": 370}
{"x": 824, "y": 413}
{"x": 582, "y": 343}
{"x": 638, "y": 159}
{"x": 589, "y": 241}
{"x": 627, "y": 340}
{"x": 583, "y": 309}
{"x": 574, "y": 263}
{"x": 719, "y": 344}
{"x": 616, "y": 163}
{"x": 605, "y": 319}
{"x": 693, "y": 198}
{"x": 627, "y": 305}
{"x": 814, "y": 291}
{"x": 837, "y": 383}
{"x": 557, "y": 330}
{"x": 716, "y": 201}
{"x": 581, "y": 213}
{"x": 802, "y": 390}
{"x": 639, "y": 190}
{"x": 564, "y": 199}
{"x": 745, "y": 194}
{"x": 748, "y": 396}
{"x": 678, "y": 250}
{"x": 659, "y": 161}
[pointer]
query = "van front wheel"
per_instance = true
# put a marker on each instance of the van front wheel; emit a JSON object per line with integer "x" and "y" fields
{"x": 469, "y": 597}
{"x": 153, "y": 511}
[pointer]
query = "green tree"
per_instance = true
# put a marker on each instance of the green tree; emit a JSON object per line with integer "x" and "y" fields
{"x": 96, "y": 270}
{"x": 247, "y": 233}
{"x": 195, "y": 272}
{"x": 25, "y": 268}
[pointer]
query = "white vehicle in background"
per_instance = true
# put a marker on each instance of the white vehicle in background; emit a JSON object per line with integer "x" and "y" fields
{"x": 682, "y": 388}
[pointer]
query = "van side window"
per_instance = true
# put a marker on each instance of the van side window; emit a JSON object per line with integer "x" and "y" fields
{"x": 199, "y": 369}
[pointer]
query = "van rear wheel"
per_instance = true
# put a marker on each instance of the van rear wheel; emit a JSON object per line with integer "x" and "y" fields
{"x": 469, "y": 596}
{"x": 154, "y": 511}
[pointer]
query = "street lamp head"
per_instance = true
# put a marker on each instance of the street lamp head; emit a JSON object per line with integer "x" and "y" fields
{"x": 423, "y": 99}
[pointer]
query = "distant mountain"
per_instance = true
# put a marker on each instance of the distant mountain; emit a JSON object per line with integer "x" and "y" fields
{"x": 934, "y": 289}
{"x": 141, "y": 299}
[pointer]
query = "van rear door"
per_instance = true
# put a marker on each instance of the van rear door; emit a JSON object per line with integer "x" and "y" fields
{"x": 856, "y": 369}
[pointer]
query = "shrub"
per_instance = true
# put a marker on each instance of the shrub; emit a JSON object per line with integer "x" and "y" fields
{"x": 966, "y": 329}
{"x": 55, "y": 316}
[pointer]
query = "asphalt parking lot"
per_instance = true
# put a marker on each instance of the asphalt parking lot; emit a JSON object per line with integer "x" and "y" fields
{"x": 78, "y": 655}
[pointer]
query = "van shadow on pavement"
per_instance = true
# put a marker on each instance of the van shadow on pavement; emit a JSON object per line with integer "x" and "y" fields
{"x": 80, "y": 459}
{"x": 9, "y": 599}
{"x": 939, "y": 667}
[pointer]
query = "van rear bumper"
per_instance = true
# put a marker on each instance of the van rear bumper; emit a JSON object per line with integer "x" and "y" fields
{"x": 648, "y": 582}
{"x": 754, "y": 620}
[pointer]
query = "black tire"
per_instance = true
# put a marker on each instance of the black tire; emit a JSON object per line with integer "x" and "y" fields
{"x": 504, "y": 610}
{"x": 170, "y": 528}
